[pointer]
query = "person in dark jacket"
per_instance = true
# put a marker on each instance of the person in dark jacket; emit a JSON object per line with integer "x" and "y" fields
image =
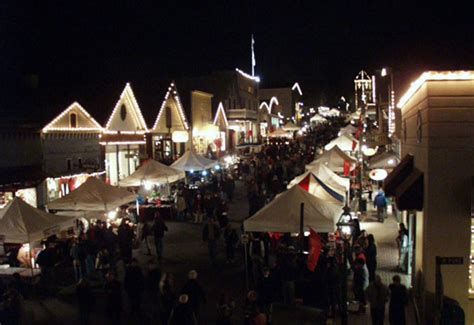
{"x": 371, "y": 257}
{"x": 158, "y": 230}
{"x": 211, "y": 234}
{"x": 134, "y": 284}
{"x": 167, "y": 296}
{"x": 231, "y": 238}
{"x": 267, "y": 292}
{"x": 333, "y": 282}
{"x": 398, "y": 301}
{"x": 183, "y": 313}
{"x": 193, "y": 289}
{"x": 377, "y": 295}
{"x": 85, "y": 301}
{"x": 125, "y": 240}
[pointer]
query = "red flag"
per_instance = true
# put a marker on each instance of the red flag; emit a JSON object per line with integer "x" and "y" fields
{"x": 347, "y": 168}
{"x": 304, "y": 184}
{"x": 315, "y": 245}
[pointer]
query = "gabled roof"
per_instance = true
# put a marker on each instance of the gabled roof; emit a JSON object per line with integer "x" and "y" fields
{"x": 221, "y": 119}
{"x": 84, "y": 121}
{"x": 126, "y": 115}
{"x": 178, "y": 118}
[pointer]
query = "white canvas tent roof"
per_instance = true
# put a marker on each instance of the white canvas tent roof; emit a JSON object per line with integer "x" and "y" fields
{"x": 348, "y": 129}
{"x": 330, "y": 178}
{"x": 21, "y": 223}
{"x": 290, "y": 126}
{"x": 191, "y": 161}
{"x": 93, "y": 195}
{"x": 333, "y": 159}
{"x": 279, "y": 133}
{"x": 154, "y": 172}
{"x": 318, "y": 119}
{"x": 283, "y": 213}
{"x": 384, "y": 160}
{"x": 318, "y": 188}
{"x": 344, "y": 142}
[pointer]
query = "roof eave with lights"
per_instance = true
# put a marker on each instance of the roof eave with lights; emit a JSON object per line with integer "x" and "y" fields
{"x": 171, "y": 88}
{"x": 49, "y": 127}
{"x": 433, "y": 76}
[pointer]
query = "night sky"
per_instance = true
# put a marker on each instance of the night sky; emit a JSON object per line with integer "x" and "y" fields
{"x": 88, "y": 52}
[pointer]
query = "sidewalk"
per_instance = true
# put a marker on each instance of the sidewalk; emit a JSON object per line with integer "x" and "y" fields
{"x": 387, "y": 260}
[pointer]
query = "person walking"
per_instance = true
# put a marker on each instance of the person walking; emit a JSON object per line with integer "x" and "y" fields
{"x": 85, "y": 301}
{"x": 224, "y": 310}
{"x": 380, "y": 202}
{"x": 103, "y": 262}
{"x": 158, "y": 230}
{"x": 198, "y": 208}
{"x": 398, "y": 301}
{"x": 231, "y": 238}
{"x": 211, "y": 234}
{"x": 371, "y": 256}
{"x": 333, "y": 282}
{"x": 78, "y": 257}
{"x": 183, "y": 313}
{"x": 125, "y": 240}
{"x": 193, "y": 289}
{"x": 167, "y": 296}
{"x": 360, "y": 283}
{"x": 377, "y": 295}
{"x": 267, "y": 292}
{"x": 134, "y": 285}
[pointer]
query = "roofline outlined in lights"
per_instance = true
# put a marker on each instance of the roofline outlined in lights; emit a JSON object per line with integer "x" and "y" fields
{"x": 246, "y": 75}
{"x": 297, "y": 87}
{"x": 432, "y": 76}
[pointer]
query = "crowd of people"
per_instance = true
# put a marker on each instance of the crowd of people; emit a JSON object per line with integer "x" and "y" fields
{"x": 102, "y": 255}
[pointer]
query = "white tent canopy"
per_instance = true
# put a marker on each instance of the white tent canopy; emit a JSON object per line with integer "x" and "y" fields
{"x": 348, "y": 129}
{"x": 318, "y": 188}
{"x": 384, "y": 160}
{"x": 290, "y": 126}
{"x": 153, "y": 172}
{"x": 93, "y": 195}
{"x": 334, "y": 159}
{"x": 21, "y": 223}
{"x": 283, "y": 213}
{"x": 330, "y": 178}
{"x": 344, "y": 142}
{"x": 279, "y": 133}
{"x": 317, "y": 119}
{"x": 191, "y": 161}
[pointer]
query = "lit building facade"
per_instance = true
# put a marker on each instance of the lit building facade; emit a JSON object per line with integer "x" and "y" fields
{"x": 124, "y": 138}
{"x": 437, "y": 130}
{"x": 71, "y": 150}
{"x": 170, "y": 132}
{"x": 364, "y": 94}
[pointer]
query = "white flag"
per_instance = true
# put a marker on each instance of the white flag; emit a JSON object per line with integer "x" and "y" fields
{"x": 254, "y": 62}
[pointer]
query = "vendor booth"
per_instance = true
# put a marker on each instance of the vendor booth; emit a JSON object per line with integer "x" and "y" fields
{"x": 330, "y": 178}
{"x": 152, "y": 172}
{"x": 345, "y": 142}
{"x": 93, "y": 195}
{"x": 24, "y": 225}
{"x": 191, "y": 161}
{"x": 335, "y": 159}
{"x": 291, "y": 127}
{"x": 279, "y": 133}
{"x": 314, "y": 185}
{"x": 283, "y": 213}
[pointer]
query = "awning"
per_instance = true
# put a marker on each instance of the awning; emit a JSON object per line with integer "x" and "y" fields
{"x": 405, "y": 183}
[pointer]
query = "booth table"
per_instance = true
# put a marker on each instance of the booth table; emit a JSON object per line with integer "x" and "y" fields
{"x": 23, "y": 271}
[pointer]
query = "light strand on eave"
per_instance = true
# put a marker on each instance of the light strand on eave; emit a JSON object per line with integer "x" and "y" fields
{"x": 433, "y": 75}
{"x": 297, "y": 87}
{"x": 127, "y": 91}
{"x": 220, "y": 108}
{"x": 171, "y": 88}
{"x": 49, "y": 126}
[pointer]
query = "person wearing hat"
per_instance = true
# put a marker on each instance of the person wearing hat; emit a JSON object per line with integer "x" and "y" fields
{"x": 183, "y": 313}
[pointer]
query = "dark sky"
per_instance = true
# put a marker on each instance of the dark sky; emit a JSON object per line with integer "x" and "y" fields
{"x": 87, "y": 52}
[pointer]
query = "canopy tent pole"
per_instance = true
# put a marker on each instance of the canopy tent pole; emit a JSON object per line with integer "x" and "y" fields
{"x": 302, "y": 227}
